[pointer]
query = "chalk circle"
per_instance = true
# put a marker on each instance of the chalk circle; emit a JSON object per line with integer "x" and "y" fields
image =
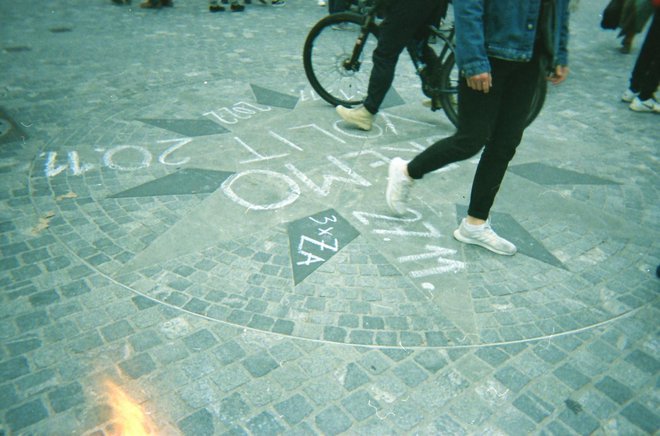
{"x": 378, "y": 134}
{"x": 5, "y": 127}
{"x": 293, "y": 191}
{"x": 108, "y": 158}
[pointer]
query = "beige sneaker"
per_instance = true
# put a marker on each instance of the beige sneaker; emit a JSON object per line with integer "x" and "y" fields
{"x": 359, "y": 117}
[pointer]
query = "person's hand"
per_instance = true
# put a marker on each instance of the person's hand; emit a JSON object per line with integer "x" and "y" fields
{"x": 559, "y": 75}
{"x": 480, "y": 82}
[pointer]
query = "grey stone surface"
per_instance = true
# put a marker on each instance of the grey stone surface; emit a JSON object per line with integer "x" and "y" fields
{"x": 155, "y": 169}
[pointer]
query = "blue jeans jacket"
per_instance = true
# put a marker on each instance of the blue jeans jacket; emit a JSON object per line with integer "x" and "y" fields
{"x": 504, "y": 29}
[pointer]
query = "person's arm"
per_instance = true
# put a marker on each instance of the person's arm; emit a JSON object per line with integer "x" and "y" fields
{"x": 471, "y": 55}
{"x": 561, "y": 63}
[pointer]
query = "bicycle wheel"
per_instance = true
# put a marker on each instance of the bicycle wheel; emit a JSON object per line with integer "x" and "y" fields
{"x": 448, "y": 81}
{"x": 327, "y": 52}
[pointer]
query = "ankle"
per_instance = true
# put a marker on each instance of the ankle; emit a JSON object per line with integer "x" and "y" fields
{"x": 474, "y": 222}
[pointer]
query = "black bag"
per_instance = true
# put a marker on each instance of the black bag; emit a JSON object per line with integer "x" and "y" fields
{"x": 612, "y": 14}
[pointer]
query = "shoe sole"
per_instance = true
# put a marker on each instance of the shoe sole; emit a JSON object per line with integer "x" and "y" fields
{"x": 461, "y": 238}
{"x": 645, "y": 110}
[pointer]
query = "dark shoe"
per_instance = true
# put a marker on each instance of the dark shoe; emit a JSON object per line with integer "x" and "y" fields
{"x": 216, "y": 8}
{"x": 237, "y": 8}
{"x": 167, "y": 3}
{"x": 151, "y": 4}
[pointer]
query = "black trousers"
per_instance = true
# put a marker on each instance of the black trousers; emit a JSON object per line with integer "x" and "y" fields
{"x": 494, "y": 122}
{"x": 403, "y": 22}
{"x": 646, "y": 73}
{"x": 335, "y": 6}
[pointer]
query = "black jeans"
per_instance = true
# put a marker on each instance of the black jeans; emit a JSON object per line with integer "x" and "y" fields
{"x": 335, "y": 6}
{"x": 493, "y": 121}
{"x": 646, "y": 73}
{"x": 404, "y": 21}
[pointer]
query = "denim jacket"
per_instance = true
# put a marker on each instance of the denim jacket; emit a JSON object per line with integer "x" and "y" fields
{"x": 504, "y": 29}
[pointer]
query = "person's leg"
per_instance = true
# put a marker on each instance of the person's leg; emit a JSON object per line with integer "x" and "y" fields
{"x": 402, "y": 22}
{"x": 397, "y": 29}
{"x": 646, "y": 74}
{"x": 651, "y": 52}
{"x": 518, "y": 83}
{"x": 475, "y": 114}
{"x": 644, "y": 58}
{"x": 335, "y": 6}
{"x": 476, "y": 110}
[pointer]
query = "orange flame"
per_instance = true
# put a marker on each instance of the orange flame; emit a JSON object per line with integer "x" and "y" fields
{"x": 128, "y": 417}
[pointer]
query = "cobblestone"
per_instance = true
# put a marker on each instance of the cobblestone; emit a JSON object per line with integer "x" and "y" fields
{"x": 124, "y": 253}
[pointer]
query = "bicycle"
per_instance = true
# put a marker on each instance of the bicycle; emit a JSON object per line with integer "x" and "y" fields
{"x": 339, "y": 48}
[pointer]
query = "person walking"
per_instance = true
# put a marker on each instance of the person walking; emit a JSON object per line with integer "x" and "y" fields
{"x": 645, "y": 76}
{"x": 503, "y": 48}
{"x": 403, "y": 23}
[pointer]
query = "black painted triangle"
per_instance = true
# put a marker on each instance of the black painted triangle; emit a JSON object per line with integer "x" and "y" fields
{"x": 269, "y": 97}
{"x": 543, "y": 174}
{"x": 506, "y": 226}
{"x": 189, "y": 128}
{"x": 183, "y": 182}
{"x": 392, "y": 98}
{"x": 313, "y": 240}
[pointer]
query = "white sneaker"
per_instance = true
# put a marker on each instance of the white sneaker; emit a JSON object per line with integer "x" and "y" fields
{"x": 321, "y": 3}
{"x": 484, "y": 236}
{"x": 649, "y": 105}
{"x": 629, "y": 95}
{"x": 359, "y": 117}
{"x": 398, "y": 186}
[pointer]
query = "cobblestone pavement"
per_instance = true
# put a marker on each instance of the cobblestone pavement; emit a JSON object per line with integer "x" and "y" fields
{"x": 182, "y": 216}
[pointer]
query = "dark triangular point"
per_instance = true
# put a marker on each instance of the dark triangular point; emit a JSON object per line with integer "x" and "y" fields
{"x": 186, "y": 181}
{"x": 505, "y": 225}
{"x": 189, "y": 128}
{"x": 268, "y": 97}
{"x": 315, "y": 239}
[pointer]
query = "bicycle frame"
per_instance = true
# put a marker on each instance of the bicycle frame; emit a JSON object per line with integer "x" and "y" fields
{"x": 353, "y": 64}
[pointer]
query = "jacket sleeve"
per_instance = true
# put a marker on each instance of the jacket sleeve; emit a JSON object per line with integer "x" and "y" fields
{"x": 471, "y": 56}
{"x": 562, "y": 32}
